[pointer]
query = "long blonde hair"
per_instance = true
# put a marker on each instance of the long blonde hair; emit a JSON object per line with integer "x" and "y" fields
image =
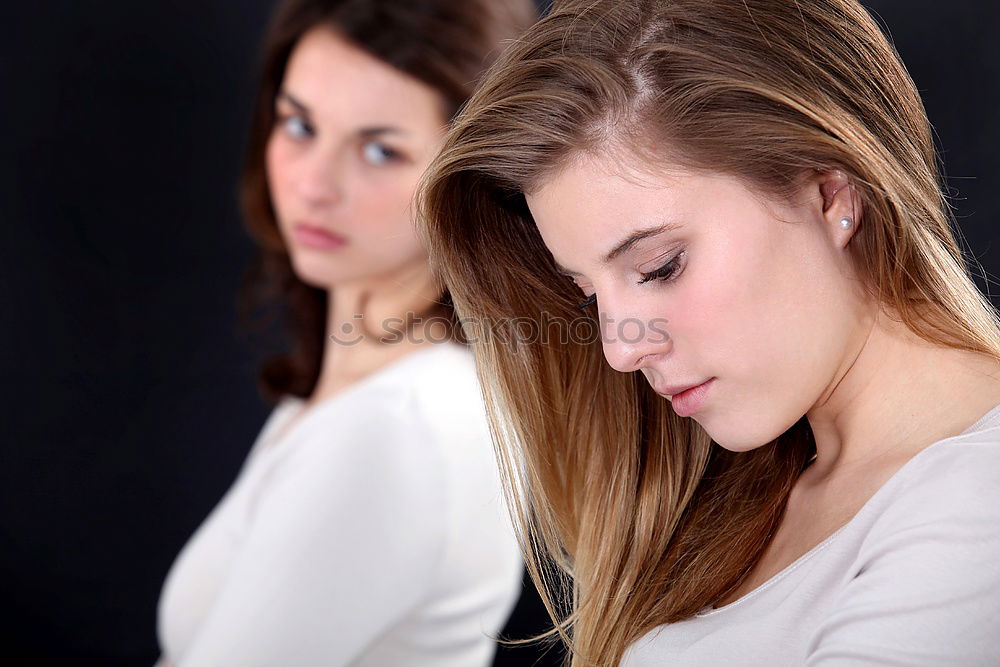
{"x": 632, "y": 517}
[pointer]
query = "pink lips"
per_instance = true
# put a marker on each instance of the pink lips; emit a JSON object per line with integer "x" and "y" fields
{"x": 688, "y": 401}
{"x": 317, "y": 237}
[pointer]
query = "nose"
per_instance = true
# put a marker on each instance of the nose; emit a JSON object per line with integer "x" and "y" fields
{"x": 319, "y": 180}
{"x": 632, "y": 340}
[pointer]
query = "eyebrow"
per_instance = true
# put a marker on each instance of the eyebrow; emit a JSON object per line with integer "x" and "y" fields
{"x": 284, "y": 95}
{"x": 627, "y": 244}
{"x": 368, "y": 132}
{"x": 365, "y": 132}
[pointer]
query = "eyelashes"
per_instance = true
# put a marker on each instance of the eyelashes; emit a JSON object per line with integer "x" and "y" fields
{"x": 666, "y": 273}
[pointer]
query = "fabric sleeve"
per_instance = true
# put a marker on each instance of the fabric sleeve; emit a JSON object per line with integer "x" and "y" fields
{"x": 927, "y": 590}
{"x": 342, "y": 544}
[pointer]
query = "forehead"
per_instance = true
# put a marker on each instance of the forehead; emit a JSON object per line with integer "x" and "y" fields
{"x": 592, "y": 204}
{"x": 337, "y": 80}
{"x": 602, "y": 196}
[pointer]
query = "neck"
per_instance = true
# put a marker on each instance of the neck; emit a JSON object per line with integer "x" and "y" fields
{"x": 367, "y": 325}
{"x": 894, "y": 395}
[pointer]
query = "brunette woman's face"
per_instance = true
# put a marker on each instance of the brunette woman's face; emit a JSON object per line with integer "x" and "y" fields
{"x": 351, "y": 139}
{"x": 700, "y": 281}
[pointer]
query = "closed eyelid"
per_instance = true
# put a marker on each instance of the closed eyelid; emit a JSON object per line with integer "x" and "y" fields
{"x": 661, "y": 258}
{"x": 667, "y": 271}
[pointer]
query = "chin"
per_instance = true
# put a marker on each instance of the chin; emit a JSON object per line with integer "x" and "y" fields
{"x": 736, "y": 444}
{"x": 746, "y": 432}
{"x": 737, "y": 435}
{"x": 317, "y": 272}
{"x": 312, "y": 278}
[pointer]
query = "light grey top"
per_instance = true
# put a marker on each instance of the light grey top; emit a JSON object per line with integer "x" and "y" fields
{"x": 371, "y": 532}
{"x": 912, "y": 579}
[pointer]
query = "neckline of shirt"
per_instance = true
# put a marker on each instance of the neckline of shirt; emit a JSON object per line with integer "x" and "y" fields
{"x": 292, "y": 418}
{"x": 983, "y": 423}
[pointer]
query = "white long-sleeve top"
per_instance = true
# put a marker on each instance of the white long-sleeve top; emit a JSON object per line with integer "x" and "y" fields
{"x": 913, "y": 579}
{"x": 369, "y": 532}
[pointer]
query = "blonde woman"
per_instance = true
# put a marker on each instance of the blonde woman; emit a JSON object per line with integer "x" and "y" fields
{"x": 779, "y": 444}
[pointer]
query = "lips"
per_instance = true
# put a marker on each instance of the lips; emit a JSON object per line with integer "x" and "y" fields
{"x": 318, "y": 237}
{"x": 673, "y": 390}
{"x": 687, "y": 400}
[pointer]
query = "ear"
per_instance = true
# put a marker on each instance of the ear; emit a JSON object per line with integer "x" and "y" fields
{"x": 841, "y": 208}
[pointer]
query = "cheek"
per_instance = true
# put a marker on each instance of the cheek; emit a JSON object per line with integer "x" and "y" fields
{"x": 769, "y": 314}
{"x": 381, "y": 203}
{"x": 744, "y": 307}
{"x": 719, "y": 302}
{"x": 381, "y": 217}
{"x": 278, "y": 167}
{"x": 738, "y": 331}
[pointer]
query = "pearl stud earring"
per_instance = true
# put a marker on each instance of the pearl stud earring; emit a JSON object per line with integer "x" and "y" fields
{"x": 845, "y": 223}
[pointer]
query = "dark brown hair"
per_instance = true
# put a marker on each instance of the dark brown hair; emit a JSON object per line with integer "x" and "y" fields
{"x": 446, "y": 44}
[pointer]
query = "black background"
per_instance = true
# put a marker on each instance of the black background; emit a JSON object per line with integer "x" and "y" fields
{"x": 128, "y": 392}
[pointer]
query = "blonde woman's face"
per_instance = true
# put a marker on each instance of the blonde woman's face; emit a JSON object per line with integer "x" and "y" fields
{"x": 701, "y": 283}
{"x": 351, "y": 138}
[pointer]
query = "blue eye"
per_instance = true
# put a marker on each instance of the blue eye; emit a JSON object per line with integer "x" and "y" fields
{"x": 378, "y": 154}
{"x": 296, "y": 127}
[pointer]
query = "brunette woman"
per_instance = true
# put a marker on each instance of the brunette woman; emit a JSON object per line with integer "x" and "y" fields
{"x": 364, "y": 527}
